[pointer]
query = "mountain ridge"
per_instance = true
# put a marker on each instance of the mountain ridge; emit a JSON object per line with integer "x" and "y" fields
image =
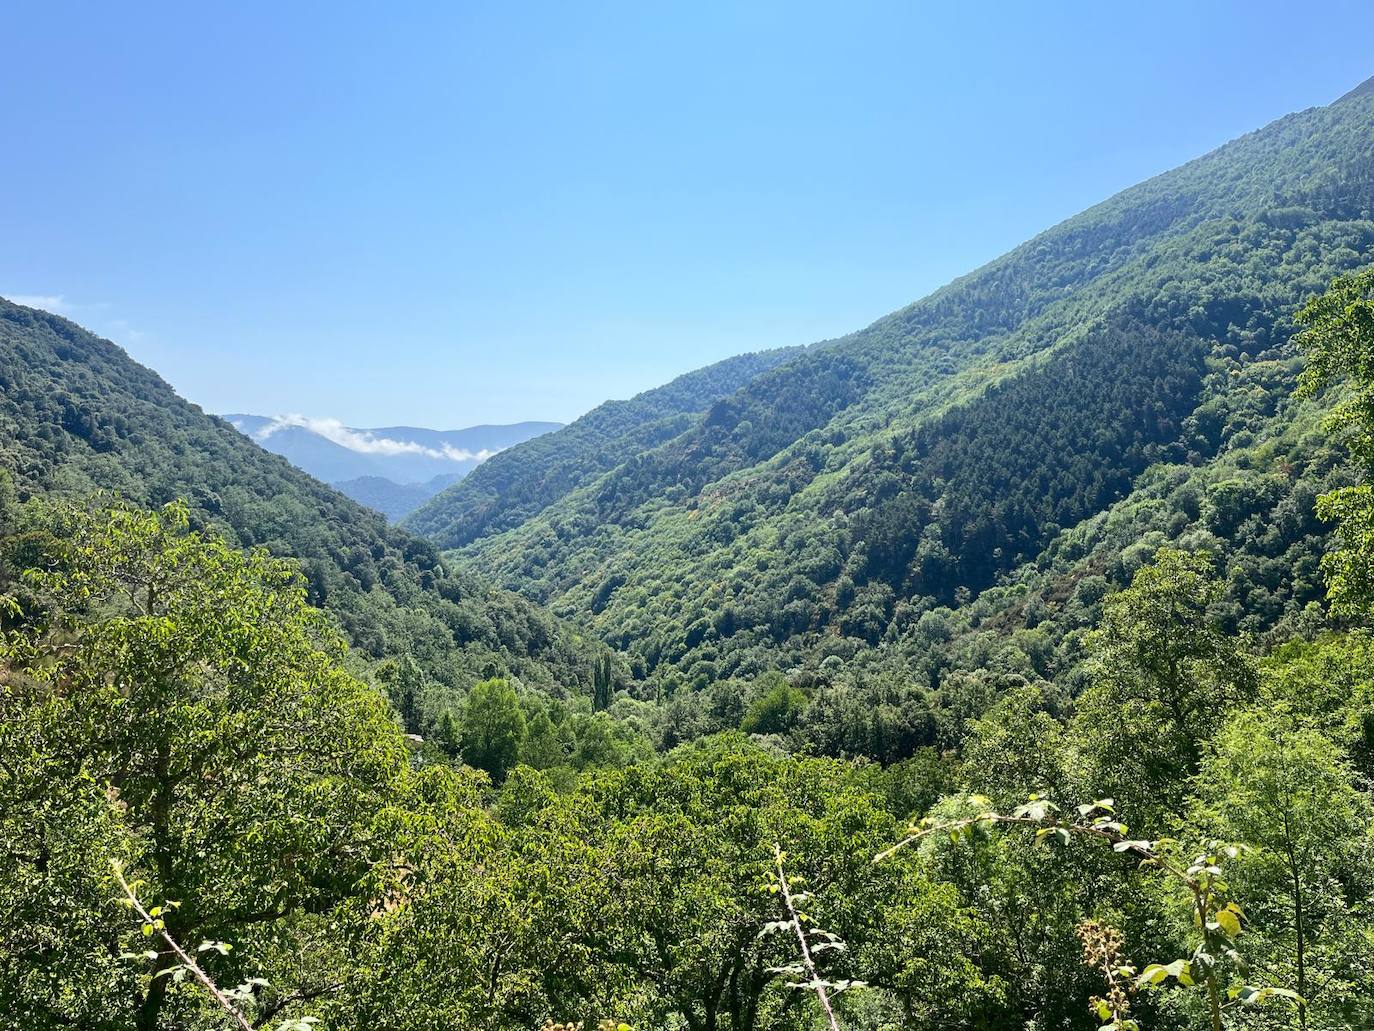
{"x": 795, "y": 490}
{"x": 390, "y": 469}
{"x": 1363, "y": 89}
{"x": 333, "y": 452}
{"x": 79, "y": 417}
{"x": 528, "y": 477}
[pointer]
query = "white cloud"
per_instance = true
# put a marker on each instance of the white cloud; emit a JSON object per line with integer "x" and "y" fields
{"x": 94, "y": 314}
{"x": 367, "y": 443}
{"x": 462, "y": 454}
{"x": 119, "y": 328}
{"x": 54, "y": 303}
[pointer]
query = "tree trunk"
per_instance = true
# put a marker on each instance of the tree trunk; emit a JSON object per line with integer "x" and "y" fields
{"x": 1299, "y": 925}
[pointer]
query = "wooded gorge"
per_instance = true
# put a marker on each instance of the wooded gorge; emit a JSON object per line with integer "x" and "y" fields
{"x": 1005, "y": 664}
{"x": 731, "y": 551}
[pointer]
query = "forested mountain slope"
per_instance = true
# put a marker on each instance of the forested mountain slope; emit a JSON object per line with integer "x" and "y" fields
{"x": 393, "y": 500}
{"x": 78, "y": 415}
{"x": 521, "y": 482}
{"x": 829, "y": 503}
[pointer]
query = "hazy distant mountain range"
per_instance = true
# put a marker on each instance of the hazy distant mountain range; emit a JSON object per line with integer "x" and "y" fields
{"x": 392, "y": 469}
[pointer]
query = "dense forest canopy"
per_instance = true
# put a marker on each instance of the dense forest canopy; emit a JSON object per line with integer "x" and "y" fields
{"x": 1006, "y": 664}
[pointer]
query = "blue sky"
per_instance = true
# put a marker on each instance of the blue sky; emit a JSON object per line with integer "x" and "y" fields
{"x": 473, "y": 213}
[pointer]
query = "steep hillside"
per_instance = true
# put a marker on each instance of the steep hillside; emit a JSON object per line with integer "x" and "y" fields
{"x": 520, "y": 483}
{"x": 77, "y": 415}
{"x": 393, "y": 500}
{"x": 827, "y": 504}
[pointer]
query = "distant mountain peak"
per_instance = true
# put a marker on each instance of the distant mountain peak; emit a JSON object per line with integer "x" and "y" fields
{"x": 403, "y": 456}
{"x": 396, "y": 440}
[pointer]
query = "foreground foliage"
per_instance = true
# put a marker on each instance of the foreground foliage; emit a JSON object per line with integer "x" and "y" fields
{"x": 172, "y": 702}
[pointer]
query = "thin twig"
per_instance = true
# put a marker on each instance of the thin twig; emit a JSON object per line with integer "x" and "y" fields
{"x": 186, "y": 960}
{"x": 816, "y": 982}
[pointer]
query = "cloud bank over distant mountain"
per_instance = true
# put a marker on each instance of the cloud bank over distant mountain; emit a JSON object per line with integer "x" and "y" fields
{"x": 393, "y": 469}
{"x": 369, "y": 442}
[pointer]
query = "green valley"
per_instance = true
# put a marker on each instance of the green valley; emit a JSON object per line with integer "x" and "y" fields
{"x": 1004, "y": 664}
{"x": 955, "y": 446}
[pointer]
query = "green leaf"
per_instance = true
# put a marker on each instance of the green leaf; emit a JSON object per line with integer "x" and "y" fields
{"x": 1250, "y": 995}
{"x": 1157, "y": 973}
{"x": 1229, "y": 923}
{"x": 1126, "y": 846}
